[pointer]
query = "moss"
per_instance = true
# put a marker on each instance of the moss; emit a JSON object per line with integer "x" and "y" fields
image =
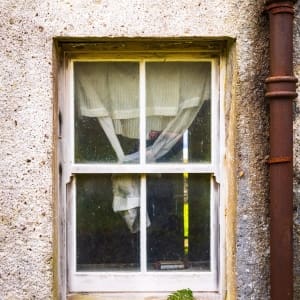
{"x": 185, "y": 294}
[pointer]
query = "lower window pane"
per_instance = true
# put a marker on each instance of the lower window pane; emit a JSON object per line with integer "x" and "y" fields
{"x": 178, "y": 206}
{"x": 178, "y": 222}
{"x": 107, "y": 222}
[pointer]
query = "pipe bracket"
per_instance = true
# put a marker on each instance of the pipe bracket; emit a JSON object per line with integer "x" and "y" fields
{"x": 280, "y": 159}
{"x": 279, "y": 7}
{"x": 281, "y": 87}
{"x": 281, "y": 94}
{"x": 272, "y": 79}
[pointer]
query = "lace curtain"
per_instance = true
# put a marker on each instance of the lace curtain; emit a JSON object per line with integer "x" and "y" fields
{"x": 109, "y": 91}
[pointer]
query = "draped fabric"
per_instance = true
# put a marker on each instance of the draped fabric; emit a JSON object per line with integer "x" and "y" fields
{"x": 109, "y": 91}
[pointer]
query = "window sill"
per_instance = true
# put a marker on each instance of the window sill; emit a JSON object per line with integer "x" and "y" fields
{"x": 138, "y": 296}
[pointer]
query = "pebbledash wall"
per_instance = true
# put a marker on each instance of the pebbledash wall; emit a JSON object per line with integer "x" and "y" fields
{"x": 28, "y": 138}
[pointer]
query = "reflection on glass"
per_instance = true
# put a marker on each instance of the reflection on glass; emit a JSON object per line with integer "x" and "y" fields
{"x": 106, "y": 111}
{"x": 178, "y": 238}
{"x": 178, "y": 103}
{"x": 107, "y": 222}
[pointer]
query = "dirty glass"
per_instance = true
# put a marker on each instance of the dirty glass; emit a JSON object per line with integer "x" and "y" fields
{"x": 178, "y": 130}
{"x": 106, "y": 111}
{"x": 178, "y": 112}
{"x": 178, "y": 206}
{"x": 107, "y": 227}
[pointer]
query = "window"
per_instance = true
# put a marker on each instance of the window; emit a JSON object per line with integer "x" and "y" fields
{"x": 140, "y": 162}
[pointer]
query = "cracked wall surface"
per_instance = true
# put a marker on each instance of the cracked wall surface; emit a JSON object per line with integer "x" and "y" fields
{"x": 27, "y": 137}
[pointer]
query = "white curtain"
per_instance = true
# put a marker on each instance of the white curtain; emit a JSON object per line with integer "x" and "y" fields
{"x": 109, "y": 91}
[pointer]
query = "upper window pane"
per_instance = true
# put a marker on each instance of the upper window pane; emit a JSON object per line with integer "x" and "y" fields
{"x": 178, "y": 111}
{"x": 107, "y": 115}
{"x": 106, "y": 111}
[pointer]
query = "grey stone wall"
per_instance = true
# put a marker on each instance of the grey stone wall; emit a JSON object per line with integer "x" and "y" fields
{"x": 251, "y": 151}
{"x": 27, "y": 137}
{"x": 297, "y": 155}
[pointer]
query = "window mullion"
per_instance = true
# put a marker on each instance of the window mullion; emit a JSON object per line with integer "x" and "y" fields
{"x": 143, "y": 197}
{"x": 143, "y": 226}
{"x": 142, "y": 94}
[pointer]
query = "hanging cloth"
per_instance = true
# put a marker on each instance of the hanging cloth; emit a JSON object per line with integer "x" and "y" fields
{"x": 109, "y": 91}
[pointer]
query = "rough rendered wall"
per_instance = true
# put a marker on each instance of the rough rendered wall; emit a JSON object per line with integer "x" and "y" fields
{"x": 27, "y": 100}
{"x": 297, "y": 155}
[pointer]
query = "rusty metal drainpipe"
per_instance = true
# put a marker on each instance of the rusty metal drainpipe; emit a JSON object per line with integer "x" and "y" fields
{"x": 281, "y": 90}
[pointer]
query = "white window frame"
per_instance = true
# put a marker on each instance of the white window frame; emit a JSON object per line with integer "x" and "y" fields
{"x": 142, "y": 281}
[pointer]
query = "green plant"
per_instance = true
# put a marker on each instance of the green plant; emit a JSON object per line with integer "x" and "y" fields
{"x": 185, "y": 294}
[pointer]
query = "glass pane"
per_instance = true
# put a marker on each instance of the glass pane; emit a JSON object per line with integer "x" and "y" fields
{"x": 178, "y": 238}
{"x": 106, "y": 111}
{"x": 178, "y": 111}
{"x": 107, "y": 222}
